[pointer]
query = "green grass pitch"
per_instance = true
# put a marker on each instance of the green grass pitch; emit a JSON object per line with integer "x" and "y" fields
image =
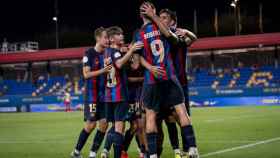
{"x": 230, "y": 132}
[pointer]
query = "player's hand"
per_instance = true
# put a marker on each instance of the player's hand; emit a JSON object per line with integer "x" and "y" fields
{"x": 147, "y": 10}
{"x": 107, "y": 68}
{"x": 136, "y": 46}
{"x": 181, "y": 32}
{"x": 124, "y": 49}
{"x": 157, "y": 70}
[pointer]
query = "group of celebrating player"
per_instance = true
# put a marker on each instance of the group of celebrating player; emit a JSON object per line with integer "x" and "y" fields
{"x": 142, "y": 84}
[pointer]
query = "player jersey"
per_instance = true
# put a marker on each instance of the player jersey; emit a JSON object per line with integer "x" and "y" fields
{"x": 116, "y": 80}
{"x": 135, "y": 73}
{"x": 94, "y": 87}
{"x": 156, "y": 52}
{"x": 179, "y": 55}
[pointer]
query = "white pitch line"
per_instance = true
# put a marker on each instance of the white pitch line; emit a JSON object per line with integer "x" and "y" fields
{"x": 234, "y": 118}
{"x": 241, "y": 147}
{"x": 228, "y": 141}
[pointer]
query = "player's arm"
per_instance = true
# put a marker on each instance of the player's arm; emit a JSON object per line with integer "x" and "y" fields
{"x": 135, "y": 79}
{"x": 188, "y": 36}
{"x": 87, "y": 63}
{"x": 89, "y": 74}
{"x": 135, "y": 64}
{"x": 123, "y": 60}
{"x": 148, "y": 11}
{"x": 156, "y": 70}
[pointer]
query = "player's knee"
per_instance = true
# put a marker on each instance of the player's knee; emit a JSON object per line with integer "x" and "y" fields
{"x": 150, "y": 115}
{"x": 182, "y": 114}
{"x": 150, "y": 121}
{"x": 103, "y": 125}
{"x": 151, "y": 126}
{"x": 119, "y": 127}
{"x": 171, "y": 119}
{"x": 89, "y": 126}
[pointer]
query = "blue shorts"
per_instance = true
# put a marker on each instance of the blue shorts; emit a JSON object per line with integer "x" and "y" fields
{"x": 162, "y": 95}
{"x": 94, "y": 111}
{"x": 116, "y": 111}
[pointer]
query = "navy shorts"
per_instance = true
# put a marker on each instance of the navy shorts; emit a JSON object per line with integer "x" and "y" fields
{"x": 116, "y": 111}
{"x": 134, "y": 108}
{"x": 167, "y": 111}
{"x": 163, "y": 95}
{"x": 134, "y": 111}
{"x": 94, "y": 111}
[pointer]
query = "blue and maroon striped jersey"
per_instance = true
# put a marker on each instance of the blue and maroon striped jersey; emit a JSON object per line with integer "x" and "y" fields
{"x": 157, "y": 52}
{"x": 94, "y": 87}
{"x": 179, "y": 55}
{"x": 116, "y": 88}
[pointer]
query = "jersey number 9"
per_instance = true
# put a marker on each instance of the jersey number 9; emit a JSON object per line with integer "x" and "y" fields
{"x": 158, "y": 49}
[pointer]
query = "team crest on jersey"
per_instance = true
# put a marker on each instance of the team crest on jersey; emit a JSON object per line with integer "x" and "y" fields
{"x": 117, "y": 54}
{"x": 85, "y": 59}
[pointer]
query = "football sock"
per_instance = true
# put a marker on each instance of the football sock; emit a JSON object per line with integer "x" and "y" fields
{"x": 173, "y": 134}
{"x": 97, "y": 141}
{"x": 82, "y": 140}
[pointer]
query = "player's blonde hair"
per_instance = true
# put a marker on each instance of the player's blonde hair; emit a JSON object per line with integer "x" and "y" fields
{"x": 98, "y": 32}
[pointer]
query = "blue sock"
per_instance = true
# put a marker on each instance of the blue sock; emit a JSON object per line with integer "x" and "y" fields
{"x": 140, "y": 146}
{"x": 82, "y": 140}
{"x": 109, "y": 139}
{"x": 118, "y": 144}
{"x": 138, "y": 141}
{"x": 173, "y": 134}
{"x": 129, "y": 134}
{"x": 184, "y": 142}
{"x": 189, "y": 136}
{"x": 97, "y": 141}
{"x": 152, "y": 143}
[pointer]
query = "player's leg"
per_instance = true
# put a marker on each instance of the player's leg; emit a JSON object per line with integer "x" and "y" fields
{"x": 140, "y": 133}
{"x": 100, "y": 133}
{"x": 151, "y": 132}
{"x": 108, "y": 142}
{"x": 84, "y": 134}
{"x": 160, "y": 136}
{"x": 129, "y": 134}
{"x": 65, "y": 104}
{"x": 141, "y": 136}
{"x": 187, "y": 129}
{"x": 187, "y": 104}
{"x": 151, "y": 101}
{"x": 120, "y": 113}
{"x": 170, "y": 121}
{"x": 109, "y": 113}
{"x": 173, "y": 135}
{"x": 176, "y": 97}
{"x": 90, "y": 124}
{"x": 68, "y": 105}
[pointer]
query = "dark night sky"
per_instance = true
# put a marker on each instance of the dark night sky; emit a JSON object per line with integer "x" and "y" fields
{"x": 32, "y": 19}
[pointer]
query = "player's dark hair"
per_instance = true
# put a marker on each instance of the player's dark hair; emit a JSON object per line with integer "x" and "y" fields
{"x": 114, "y": 30}
{"x": 134, "y": 35}
{"x": 98, "y": 32}
{"x": 171, "y": 13}
{"x": 148, "y": 2}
